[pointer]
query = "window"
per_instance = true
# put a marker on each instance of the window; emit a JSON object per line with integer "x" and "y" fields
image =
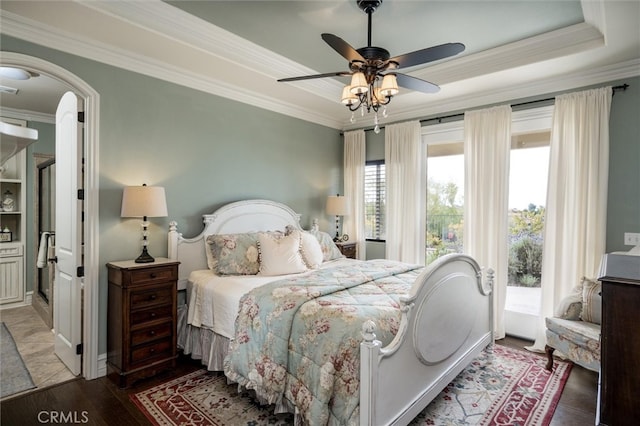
{"x": 374, "y": 200}
{"x": 527, "y": 199}
{"x": 445, "y": 199}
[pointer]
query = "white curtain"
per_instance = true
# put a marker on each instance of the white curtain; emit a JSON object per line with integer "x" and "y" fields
{"x": 405, "y": 169}
{"x": 487, "y": 145}
{"x": 575, "y": 222}
{"x": 354, "y": 163}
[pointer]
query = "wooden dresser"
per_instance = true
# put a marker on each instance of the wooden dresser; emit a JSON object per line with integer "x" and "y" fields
{"x": 619, "y": 390}
{"x": 141, "y": 319}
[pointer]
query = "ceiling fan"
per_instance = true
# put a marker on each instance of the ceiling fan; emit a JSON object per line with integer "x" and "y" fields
{"x": 374, "y": 79}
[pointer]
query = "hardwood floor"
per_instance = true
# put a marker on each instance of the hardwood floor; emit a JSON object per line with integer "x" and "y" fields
{"x": 101, "y": 402}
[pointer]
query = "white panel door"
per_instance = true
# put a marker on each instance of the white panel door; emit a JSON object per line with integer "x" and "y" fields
{"x": 67, "y": 319}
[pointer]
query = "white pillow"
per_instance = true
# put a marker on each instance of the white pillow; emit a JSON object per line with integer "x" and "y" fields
{"x": 280, "y": 256}
{"x": 311, "y": 251}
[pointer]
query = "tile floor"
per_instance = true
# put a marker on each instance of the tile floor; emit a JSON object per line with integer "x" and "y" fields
{"x": 35, "y": 343}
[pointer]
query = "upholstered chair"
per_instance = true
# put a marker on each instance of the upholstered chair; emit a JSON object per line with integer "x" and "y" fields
{"x": 574, "y": 330}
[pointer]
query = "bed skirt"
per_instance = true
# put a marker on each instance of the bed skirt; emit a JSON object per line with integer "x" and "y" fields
{"x": 211, "y": 348}
{"x": 201, "y": 343}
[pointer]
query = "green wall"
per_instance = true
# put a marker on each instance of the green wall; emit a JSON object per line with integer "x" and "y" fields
{"x": 205, "y": 150}
{"x": 623, "y": 206}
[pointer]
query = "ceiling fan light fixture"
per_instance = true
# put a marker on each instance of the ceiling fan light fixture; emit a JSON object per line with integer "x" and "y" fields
{"x": 359, "y": 83}
{"x": 389, "y": 85}
{"x": 378, "y": 97}
{"x": 348, "y": 98}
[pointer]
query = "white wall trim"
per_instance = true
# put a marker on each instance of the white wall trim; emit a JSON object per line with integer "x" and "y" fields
{"x": 91, "y": 225}
{"x": 28, "y": 115}
{"x": 102, "y": 365}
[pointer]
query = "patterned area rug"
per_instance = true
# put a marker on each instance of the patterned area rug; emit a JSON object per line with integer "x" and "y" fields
{"x": 13, "y": 373}
{"x": 502, "y": 386}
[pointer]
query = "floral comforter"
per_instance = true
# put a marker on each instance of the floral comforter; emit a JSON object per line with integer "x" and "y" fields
{"x": 298, "y": 340}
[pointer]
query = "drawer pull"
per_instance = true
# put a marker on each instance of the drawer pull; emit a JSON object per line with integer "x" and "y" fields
{"x": 152, "y": 297}
{"x": 152, "y": 333}
{"x": 153, "y": 275}
{"x": 152, "y": 350}
{"x": 153, "y": 315}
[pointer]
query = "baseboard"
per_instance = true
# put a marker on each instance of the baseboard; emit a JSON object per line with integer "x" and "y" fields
{"x": 102, "y": 365}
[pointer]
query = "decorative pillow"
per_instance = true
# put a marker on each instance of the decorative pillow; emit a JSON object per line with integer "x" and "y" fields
{"x": 329, "y": 249}
{"x": 234, "y": 254}
{"x": 311, "y": 250}
{"x": 280, "y": 256}
{"x": 591, "y": 301}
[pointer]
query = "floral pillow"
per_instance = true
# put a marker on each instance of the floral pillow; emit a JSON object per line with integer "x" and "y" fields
{"x": 234, "y": 254}
{"x": 591, "y": 301}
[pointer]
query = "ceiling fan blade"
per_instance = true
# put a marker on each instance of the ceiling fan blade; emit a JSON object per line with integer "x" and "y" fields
{"x": 309, "y": 77}
{"x": 416, "y": 84}
{"x": 429, "y": 54}
{"x": 342, "y": 47}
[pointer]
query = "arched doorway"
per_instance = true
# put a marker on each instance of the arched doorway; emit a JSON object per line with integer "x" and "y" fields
{"x": 90, "y": 367}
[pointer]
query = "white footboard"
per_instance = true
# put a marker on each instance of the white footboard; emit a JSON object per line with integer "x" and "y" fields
{"x": 447, "y": 321}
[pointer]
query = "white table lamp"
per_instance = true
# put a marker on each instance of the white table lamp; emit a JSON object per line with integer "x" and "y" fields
{"x": 339, "y": 206}
{"x": 144, "y": 201}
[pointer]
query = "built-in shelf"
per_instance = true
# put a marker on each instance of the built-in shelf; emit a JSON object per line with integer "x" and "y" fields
{"x": 12, "y": 264}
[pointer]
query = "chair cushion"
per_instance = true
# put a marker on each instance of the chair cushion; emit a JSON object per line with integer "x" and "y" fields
{"x": 578, "y": 354}
{"x": 581, "y": 333}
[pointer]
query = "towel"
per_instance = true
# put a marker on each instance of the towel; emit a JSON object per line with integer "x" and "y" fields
{"x": 43, "y": 250}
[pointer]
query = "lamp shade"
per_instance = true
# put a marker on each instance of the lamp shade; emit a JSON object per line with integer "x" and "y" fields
{"x": 358, "y": 83}
{"x": 348, "y": 98}
{"x": 337, "y": 205}
{"x": 389, "y": 85}
{"x": 140, "y": 201}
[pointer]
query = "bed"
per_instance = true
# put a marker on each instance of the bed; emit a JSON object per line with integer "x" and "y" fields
{"x": 342, "y": 342}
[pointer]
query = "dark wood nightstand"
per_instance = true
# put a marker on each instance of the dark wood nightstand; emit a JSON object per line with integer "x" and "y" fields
{"x": 141, "y": 319}
{"x": 347, "y": 249}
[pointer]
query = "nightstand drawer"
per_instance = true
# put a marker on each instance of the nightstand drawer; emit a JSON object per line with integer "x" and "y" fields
{"x": 152, "y": 314}
{"x": 150, "y": 334}
{"x": 153, "y": 275}
{"x": 348, "y": 249}
{"x": 143, "y": 354}
{"x": 157, "y": 296}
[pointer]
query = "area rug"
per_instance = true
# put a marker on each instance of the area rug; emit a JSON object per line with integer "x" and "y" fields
{"x": 14, "y": 376}
{"x": 502, "y": 386}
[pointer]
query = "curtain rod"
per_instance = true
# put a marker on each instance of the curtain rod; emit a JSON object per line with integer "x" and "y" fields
{"x": 622, "y": 87}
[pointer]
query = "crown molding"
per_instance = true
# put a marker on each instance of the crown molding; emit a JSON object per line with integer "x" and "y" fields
{"x": 550, "y": 45}
{"x": 21, "y": 114}
{"x": 210, "y": 39}
{"x": 54, "y": 38}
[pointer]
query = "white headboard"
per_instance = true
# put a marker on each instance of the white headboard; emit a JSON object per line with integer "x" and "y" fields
{"x": 234, "y": 218}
